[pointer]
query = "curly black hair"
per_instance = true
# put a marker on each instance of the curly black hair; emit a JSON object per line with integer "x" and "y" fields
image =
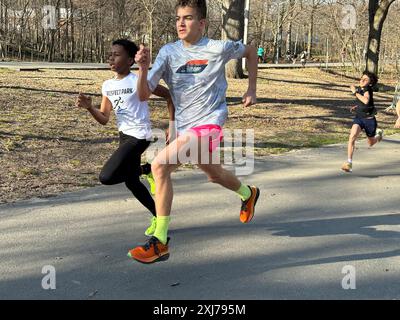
{"x": 130, "y": 47}
{"x": 372, "y": 77}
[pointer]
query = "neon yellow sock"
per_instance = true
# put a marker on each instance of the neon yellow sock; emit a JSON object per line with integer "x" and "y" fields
{"x": 244, "y": 192}
{"x": 162, "y": 229}
{"x": 152, "y": 228}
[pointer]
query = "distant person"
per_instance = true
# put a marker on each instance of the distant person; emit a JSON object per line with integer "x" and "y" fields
{"x": 365, "y": 117}
{"x": 133, "y": 121}
{"x": 343, "y": 55}
{"x": 294, "y": 58}
{"x": 303, "y": 58}
{"x": 260, "y": 54}
{"x": 288, "y": 56}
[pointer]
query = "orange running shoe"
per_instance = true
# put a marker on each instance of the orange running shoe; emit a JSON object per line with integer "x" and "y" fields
{"x": 247, "y": 210}
{"x": 347, "y": 167}
{"x": 152, "y": 251}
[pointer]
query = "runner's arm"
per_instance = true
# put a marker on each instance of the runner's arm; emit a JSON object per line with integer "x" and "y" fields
{"x": 163, "y": 92}
{"x": 363, "y": 98}
{"x": 142, "y": 59}
{"x": 250, "y": 96}
{"x": 101, "y": 115}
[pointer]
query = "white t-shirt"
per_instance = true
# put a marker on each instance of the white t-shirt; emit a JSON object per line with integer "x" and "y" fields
{"x": 133, "y": 116}
{"x": 195, "y": 76}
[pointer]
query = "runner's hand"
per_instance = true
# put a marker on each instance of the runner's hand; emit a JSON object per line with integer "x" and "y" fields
{"x": 170, "y": 135}
{"x": 249, "y": 98}
{"x": 83, "y": 102}
{"x": 142, "y": 57}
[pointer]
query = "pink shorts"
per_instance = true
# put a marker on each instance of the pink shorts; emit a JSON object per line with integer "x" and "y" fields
{"x": 213, "y": 132}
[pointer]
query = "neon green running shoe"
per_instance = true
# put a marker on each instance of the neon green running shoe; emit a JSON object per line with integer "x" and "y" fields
{"x": 152, "y": 183}
{"x": 150, "y": 230}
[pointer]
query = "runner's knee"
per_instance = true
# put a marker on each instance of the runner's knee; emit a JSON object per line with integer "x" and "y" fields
{"x": 105, "y": 178}
{"x": 353, "y": 137}
{"x": 160, "y": 170}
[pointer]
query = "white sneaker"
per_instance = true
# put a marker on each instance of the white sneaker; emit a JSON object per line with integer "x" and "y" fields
{"x": 379, "y": 135}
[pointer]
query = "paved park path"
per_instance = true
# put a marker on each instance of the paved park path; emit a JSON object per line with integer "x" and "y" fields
{"x": 311, "y": 221}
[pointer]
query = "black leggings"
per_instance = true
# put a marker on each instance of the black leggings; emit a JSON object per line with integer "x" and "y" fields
{"x": 124, "y": 166}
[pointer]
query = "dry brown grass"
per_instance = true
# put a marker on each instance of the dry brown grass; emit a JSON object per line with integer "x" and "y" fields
{"x": 47, "y": 146}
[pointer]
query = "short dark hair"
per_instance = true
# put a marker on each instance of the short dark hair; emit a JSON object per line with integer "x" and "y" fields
{"x": 130, "y": 47}
{"x": 199, "y": 5}
{"x": 373, "y": 78}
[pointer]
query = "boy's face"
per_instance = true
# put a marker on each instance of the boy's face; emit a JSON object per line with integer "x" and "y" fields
{"x": 188, "y": 25}
{"x": 119, "y": 60}
{"x": 365, "y": 81}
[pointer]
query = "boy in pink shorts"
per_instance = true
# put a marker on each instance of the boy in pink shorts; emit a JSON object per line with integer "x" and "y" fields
{"x": 194, "y": 70}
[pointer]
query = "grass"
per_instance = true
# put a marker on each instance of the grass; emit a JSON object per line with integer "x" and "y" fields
{"x": 48, "y": 146}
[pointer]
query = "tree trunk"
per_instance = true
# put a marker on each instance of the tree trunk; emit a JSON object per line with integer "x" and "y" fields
{"x": 2, "y": 32}
{"x": 233, "y": 29}
{"x": 263, "y": 24}
{"x": 378, "y": 11}
{"x": 296, "y": 42}
{"x": 66, "y": 38}
{"x": 289, "y": 27}
{"x": 289, "y": 37}
{"x": 72, "y": 51}
{"x": 151, "y": 35}
{"x": 310, "y": 32}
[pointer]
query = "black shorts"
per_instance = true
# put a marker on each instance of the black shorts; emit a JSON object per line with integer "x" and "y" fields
{"x": 369, "y": 125}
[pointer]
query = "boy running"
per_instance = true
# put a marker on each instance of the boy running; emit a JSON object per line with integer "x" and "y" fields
{"x": 365, "y": 117}
{"x": 194, "y": 70}
{"x": 133, "y": 122}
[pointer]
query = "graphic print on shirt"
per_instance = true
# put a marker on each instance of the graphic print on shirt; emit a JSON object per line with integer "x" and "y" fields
{"x": 118, "y": 104}
{"x": 193, "y": 67}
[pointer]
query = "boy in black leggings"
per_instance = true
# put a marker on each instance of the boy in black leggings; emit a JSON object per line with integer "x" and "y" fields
{"x": 365, "y": 117}
{"x": 133, "y": 120}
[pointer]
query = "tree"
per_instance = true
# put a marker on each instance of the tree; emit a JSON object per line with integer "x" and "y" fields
{"x": 315, "y": 5}
{"x": 233, "y": 29}
{"x": 378, "y": 10}
{"x": 291, "y": 6}
{"x": 150, "y": 6}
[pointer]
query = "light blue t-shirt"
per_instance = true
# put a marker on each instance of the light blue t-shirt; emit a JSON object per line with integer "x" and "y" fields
{"x": 195, "y": 76}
